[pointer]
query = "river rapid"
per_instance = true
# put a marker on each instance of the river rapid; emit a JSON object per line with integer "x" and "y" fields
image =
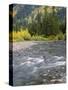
{"x": 42, "y": 63}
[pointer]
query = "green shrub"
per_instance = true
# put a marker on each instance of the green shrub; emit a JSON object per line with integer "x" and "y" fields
{"x": 51, "y": 37}
{"x": 59, "y": 36}
{"x": 20, "y": 35}
{"x": 25, "y": 35}
{"x": 38, "y": 38}
{"x": 17, "y": 36}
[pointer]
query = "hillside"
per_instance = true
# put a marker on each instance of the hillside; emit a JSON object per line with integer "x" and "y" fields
{"x": 23, "y": 13}
{"x": 35, "y": 22}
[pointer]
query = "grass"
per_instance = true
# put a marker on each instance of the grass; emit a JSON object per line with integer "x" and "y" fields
{"x": 25, "y": 35}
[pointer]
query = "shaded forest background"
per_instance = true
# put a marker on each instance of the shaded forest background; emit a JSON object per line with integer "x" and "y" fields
{"x": 35, "y": 22}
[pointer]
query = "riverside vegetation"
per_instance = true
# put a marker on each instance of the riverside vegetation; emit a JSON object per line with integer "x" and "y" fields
{"x": 42, "y": 23}
{"x": 25, "y": 35}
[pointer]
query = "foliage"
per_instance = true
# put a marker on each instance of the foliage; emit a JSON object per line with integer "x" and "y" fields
{"x": 47, "y": 24}
{"x": 63, "y": 27}
{"x": 38, "y": 38}
{"x": 20, "y": 35}
{"x": 25, "y": 34}
{"x": 60, "y": 36}
{"x": 38, "y": 25}
{"x": 51, "y": 37}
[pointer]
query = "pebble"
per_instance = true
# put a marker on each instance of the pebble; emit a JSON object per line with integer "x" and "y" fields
{"x": 57, "y": 80}
{"x": 44, "y": 80}
{"x": 44, "y": 74}
{"x": 48, "y": 70}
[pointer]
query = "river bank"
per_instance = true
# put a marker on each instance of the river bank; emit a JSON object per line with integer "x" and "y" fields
{"x": 26, "y": 44}
{"x": 23, "y": 45}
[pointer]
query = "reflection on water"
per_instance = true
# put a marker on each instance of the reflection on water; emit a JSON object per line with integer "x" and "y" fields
{"x": 43, "y": 63}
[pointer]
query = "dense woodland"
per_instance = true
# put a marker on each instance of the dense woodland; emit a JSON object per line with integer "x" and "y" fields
{"x": 31, "y": 22}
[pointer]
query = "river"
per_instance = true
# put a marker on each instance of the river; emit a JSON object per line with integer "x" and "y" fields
{"x": 41, "y": 63}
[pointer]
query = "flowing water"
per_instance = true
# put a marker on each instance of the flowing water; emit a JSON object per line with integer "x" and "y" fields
{"x": 43, "y": 63}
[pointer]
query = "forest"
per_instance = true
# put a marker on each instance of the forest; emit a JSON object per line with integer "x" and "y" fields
{"x": 39, "y": 23}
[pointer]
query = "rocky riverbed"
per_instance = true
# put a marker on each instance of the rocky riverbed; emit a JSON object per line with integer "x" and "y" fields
{"x": 39, "y": 62}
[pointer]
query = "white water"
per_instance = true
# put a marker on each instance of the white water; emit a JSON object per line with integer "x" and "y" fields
{"x": 50, "y": 62}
